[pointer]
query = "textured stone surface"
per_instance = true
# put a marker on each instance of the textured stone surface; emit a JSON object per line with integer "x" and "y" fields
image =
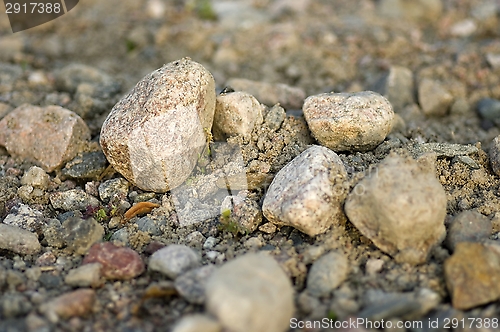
{"x": 251, "y": 294}
{"x": 73, "y": 304}
{"x": 36, "y": 177}
{"x": 472, "y": 274}
{"x": 80, "y": 234}
{"x": 153, "y": 136}
{"x": 236, "y": 113}
{"x": 118, "y": 263}
{"x": 191, "y": 285}
{"x": 241, "y": 210}
{"x": 74, "y": 199}
{"x": 269, "y": 93}
{"x": 88, "y": 165}
{"x": 174, "y": 260}
{"x": 434, "y": 99}
{"x": 349, "y": 121}
{"x": 468, "y": 226}
{"x": 88, "y": 275}
{"x": 48, "y": 136}
{"x": 18, "y": 240}
{"x": 327, "y": 273}
{"x": 113, "y": 187}
{"x": 26, "y": 218}
{"x": 400, "y": 207}
{"x": 308, "y": 192}
{"x": 494, "y": 155}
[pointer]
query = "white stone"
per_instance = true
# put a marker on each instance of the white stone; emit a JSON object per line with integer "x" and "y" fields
{"x": 174, "y": 260}
{"x": 251, "y": 294}
{"x": 349, "y": 121}
{"x": 308, "y": 192}
{"x": 154, "y": 135}
{"x": 401, "y": 207}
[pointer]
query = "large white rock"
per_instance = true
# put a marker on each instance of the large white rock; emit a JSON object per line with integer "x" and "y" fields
{"x": 251, "y": 294}
{"x": 400, "y": 207}
{"x": 349, "y": 121}
{"x": 154, "y": 135}
{"x": 308, "y": 192}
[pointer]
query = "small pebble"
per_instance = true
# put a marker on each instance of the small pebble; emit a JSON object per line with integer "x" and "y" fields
{"x": 210, "y": 242}
{"x": 268, "y": 228}
{"x": 489, "y": 108}
{"x": 88, "y": 275}
{"x": 73, "y": 304}
{"x": 80, "y": 234}
{"x": 433, "y": 98}
{"x": 401, "y": 207}
{"x": 14, "y": 305}
{"x": 197, "y": 323}
{"x": 349, "y": 121}
{"x": 49, "y": 136}
{"x": 112, "y": 188}
{"x": 74, "y": 199}
{"x": 18, "y": 240}
{"x": 191, "y": 285}
{"x": 275, "y": 117}
{"x": 468, "y": 226}
{"x": 89, "y": 165}
{"x": 494, "y": 155}
{"x": 26, "y": 218}
{"x": 174, "y": 260}
{"x": 327, "y": 273}
{"x": 253, "y": 243}
{"x": 148, "y": 225}
{"x": 241, "y": 210}
{"x": 47, "y": 259}
{"x": 397, "y": 86}
{"x": 118, "y": 263}
{"x": 236, "y": 113}
{"x": 472, "y": 274}
{"x": 154, "y": 135}
{"x": 122, "y": 235}
{"x": 36, "y": 177}
{"x": 374, "y": 266}
{"x": 252, "y": 289}
{"x": 307, "y": 195}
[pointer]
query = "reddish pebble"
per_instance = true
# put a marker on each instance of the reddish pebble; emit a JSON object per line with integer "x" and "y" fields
{"x": 118, "y": 263}
{"x": 46, "y": 259}
{"x": 74, "y": 304}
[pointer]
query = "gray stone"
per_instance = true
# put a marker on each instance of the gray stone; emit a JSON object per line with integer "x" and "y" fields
{"x": 191, "y": 285}
{"x": 252, "y": 289}
{"x": 88, "y": 165}
{"x": 26, "y": 218}
{"x": 72, "y": 76}
{"x": 236, "y": 113}
{"x": 210, "y": 242}
{"x": 494, "y": 155}
{"x": 270, "y": 94}
{"x": 48, "y": 136}
{"x": 275, "y": 117}
{"x": 466, "y": 160}
{"x": 114, "y": 187}
{"x": 308, "y": 193}
{"x": 154, "y": 135}
{"x": 121, "y": 235}
{"x": 173, "y": 260}
{"x": 88, "y": 275}
{"x": 50, "y": 281}
{"x": 80, "y": 234}
{"x": 433, "y": 97}
{"x": 74, "y": 199}
{"x": 327, "y": 273}
{"x": 8, "y": 76}
{"x": 349, "y": 121}
{"x": 401, "y": 207}
{"x": 242, "y": 210}
{"x": 442, "y": 149}
{"x": 18, "y": 240}
{"x": 52, "y": 233}
{"x": 36, "y": 177}
{"x": 468, "y": 226}
{"x": 196, "y": 323}
{"x": 489, "y": 108}
{"x": 148, "y": 225}
{"x": 14, "y": 305}
{"x": 397, "y": 86}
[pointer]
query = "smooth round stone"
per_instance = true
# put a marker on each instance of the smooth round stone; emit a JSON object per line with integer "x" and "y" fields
{"x": 154, "y": 135}
{"x": 251, "y": 294}
{"x": 349, "y": 121}
{"x": 173, "y": 260}
{"x": 327, "y": 273}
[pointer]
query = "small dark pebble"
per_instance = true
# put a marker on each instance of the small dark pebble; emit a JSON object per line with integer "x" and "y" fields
{"x": 89, "y": 165}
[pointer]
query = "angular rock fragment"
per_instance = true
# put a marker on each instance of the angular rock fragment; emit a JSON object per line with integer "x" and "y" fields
{"x": 400, "y": 207}
{"x": 308, "y": 192}
{"x": 472, "y": 274}
{"x": 74, "y": 199}
{"x": 349, "y": 121}
{"x": 174, "y": 260}
{"x": 18, "y": 240}
{"x": 155, "y": 134}
{"x": 236, "y": 113}
{"x": 48, "y": 136}
{"x": 80, "y": 234}
{"x": 433, "y": 98}
{"x": 252, "y": 289}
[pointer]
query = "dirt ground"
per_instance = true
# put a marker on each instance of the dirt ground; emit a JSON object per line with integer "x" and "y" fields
{"x": 318, "y": 46}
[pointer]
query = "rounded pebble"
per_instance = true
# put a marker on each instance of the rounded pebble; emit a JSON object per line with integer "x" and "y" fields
{"x": 308, "y": 192}
{"x": 327, "y": 273}
{"x": 154, "y": 135}
{"x": 468, "y": 226}
{"x": 251, "y": 294}
{"x": 191, "y": 285}
{"x": 349, "y": 121}
{"x": 174, "y": 260}
{"x": 18, "y": 240}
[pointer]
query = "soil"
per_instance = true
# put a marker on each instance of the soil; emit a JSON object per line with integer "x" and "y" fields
{"x": 319, "y": 46}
